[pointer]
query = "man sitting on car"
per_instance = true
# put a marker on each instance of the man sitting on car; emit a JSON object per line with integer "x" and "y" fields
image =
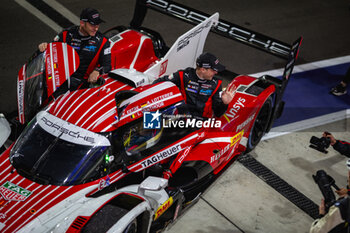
{"x": 200, "y": 89}
{"x": 91, "y": 45}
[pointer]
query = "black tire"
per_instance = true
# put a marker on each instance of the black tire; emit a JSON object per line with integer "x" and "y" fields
{"x": 260, "y": 125}
{"x": 132, "y": 227}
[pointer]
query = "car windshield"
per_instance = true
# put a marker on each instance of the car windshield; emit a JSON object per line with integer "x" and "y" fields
{"x": 34, "y": 91}
{"x": 52, "y": 151}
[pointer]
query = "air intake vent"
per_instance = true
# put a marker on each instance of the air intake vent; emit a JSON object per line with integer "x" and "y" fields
{"x": 78, "y": 223}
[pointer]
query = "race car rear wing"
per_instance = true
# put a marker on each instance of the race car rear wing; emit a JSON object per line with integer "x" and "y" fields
{"x": 223, "y": 28}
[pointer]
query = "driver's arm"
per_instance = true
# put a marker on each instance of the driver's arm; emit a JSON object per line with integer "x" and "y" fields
{"x": 104, "y": 59}
{"x": 43, "y": 46}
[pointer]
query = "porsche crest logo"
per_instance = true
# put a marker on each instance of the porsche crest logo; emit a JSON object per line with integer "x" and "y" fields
{"x": 12, "y": 192}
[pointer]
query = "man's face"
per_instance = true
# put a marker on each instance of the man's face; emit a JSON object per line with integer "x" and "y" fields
{"x": 208, "y": 74}
{"x": 88, "y": 29}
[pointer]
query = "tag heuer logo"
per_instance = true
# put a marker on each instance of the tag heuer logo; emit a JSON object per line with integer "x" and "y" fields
{"x": 12, "y": 192}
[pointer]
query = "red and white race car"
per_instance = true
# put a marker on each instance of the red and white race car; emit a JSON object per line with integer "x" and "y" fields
{"x": 119, "y": 157}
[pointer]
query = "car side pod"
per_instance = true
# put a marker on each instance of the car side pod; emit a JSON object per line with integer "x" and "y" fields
{"x": 5, "y": 129}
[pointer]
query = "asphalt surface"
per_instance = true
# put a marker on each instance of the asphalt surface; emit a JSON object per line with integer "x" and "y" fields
{"x": 323, "y": 24}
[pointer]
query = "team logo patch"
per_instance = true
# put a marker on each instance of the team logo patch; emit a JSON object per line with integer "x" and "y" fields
{"x": 205, "y": 92}
{"x": 90, "y": 48}
{"x": 151, "y": 120}
{"x": 191, "y": 90}
{"x": 12, "y": 192}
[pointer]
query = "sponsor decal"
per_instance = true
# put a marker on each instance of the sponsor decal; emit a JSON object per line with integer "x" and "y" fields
{"x": 69, "y": 132}
{"x": 159, "y": 98}
{"x": 192, "y": 86}
{"x": 48, "y": 66}
{"x": 12, "y": 192}
{"x": 166, "y": 205}
{"x": 185, "y": 153}
{"x": 104, "y": 183}
{"x": 133, "y": 109}
{"x": 186, "y": 40}
{"x": 54, "y": 53}
{"x": 163, "y": 68}
{"x": 245, "y": 123}
{"x": 219, "y": 153}
{"x": 205, "y": 92}
{"x": 90, "y": 48}
{"x": 191, "y": 90}
{"x": 21, "y": 97}
{"x": 152, "y": 107}
{"x": 206, "y": 85}
{"x": 236, "y": 138}
{"x": 152, "y": 120}
{"x": 161, "y": 156}
{"x": 66, "y": 131}
{"x": 232, "y": 112}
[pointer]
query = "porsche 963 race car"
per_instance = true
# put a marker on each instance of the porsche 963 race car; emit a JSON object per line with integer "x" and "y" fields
{"x": 125, "y": 156}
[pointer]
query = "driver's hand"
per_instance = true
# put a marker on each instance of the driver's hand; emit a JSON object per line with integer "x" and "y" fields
{"x": 93, "y": 76}
{"x": 42, "y": 47}
{"x": 228, "y": 94}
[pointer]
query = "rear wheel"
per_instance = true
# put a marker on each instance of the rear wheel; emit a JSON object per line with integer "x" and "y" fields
{"x": 260, "y": 125}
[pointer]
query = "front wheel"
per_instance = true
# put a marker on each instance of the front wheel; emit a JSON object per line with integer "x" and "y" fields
{"x": 132, "y": 227}
{"x": 260, "y": 125}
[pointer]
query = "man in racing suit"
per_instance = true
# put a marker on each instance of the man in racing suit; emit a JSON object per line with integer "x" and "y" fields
{"x": 341, "y": 146}
{"x": 200, "y": 89}
{"x": 91, "y": 45}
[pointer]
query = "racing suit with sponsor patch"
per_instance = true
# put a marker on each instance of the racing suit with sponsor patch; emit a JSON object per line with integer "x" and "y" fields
{"x": 94, "y": 51}
{"x": 202, "y": 96}
{"x": 342, "y": 147}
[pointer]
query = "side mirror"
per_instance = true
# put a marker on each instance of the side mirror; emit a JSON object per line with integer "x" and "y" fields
{"x": 5, "y": 129}
{"x": 153, "y": 184}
